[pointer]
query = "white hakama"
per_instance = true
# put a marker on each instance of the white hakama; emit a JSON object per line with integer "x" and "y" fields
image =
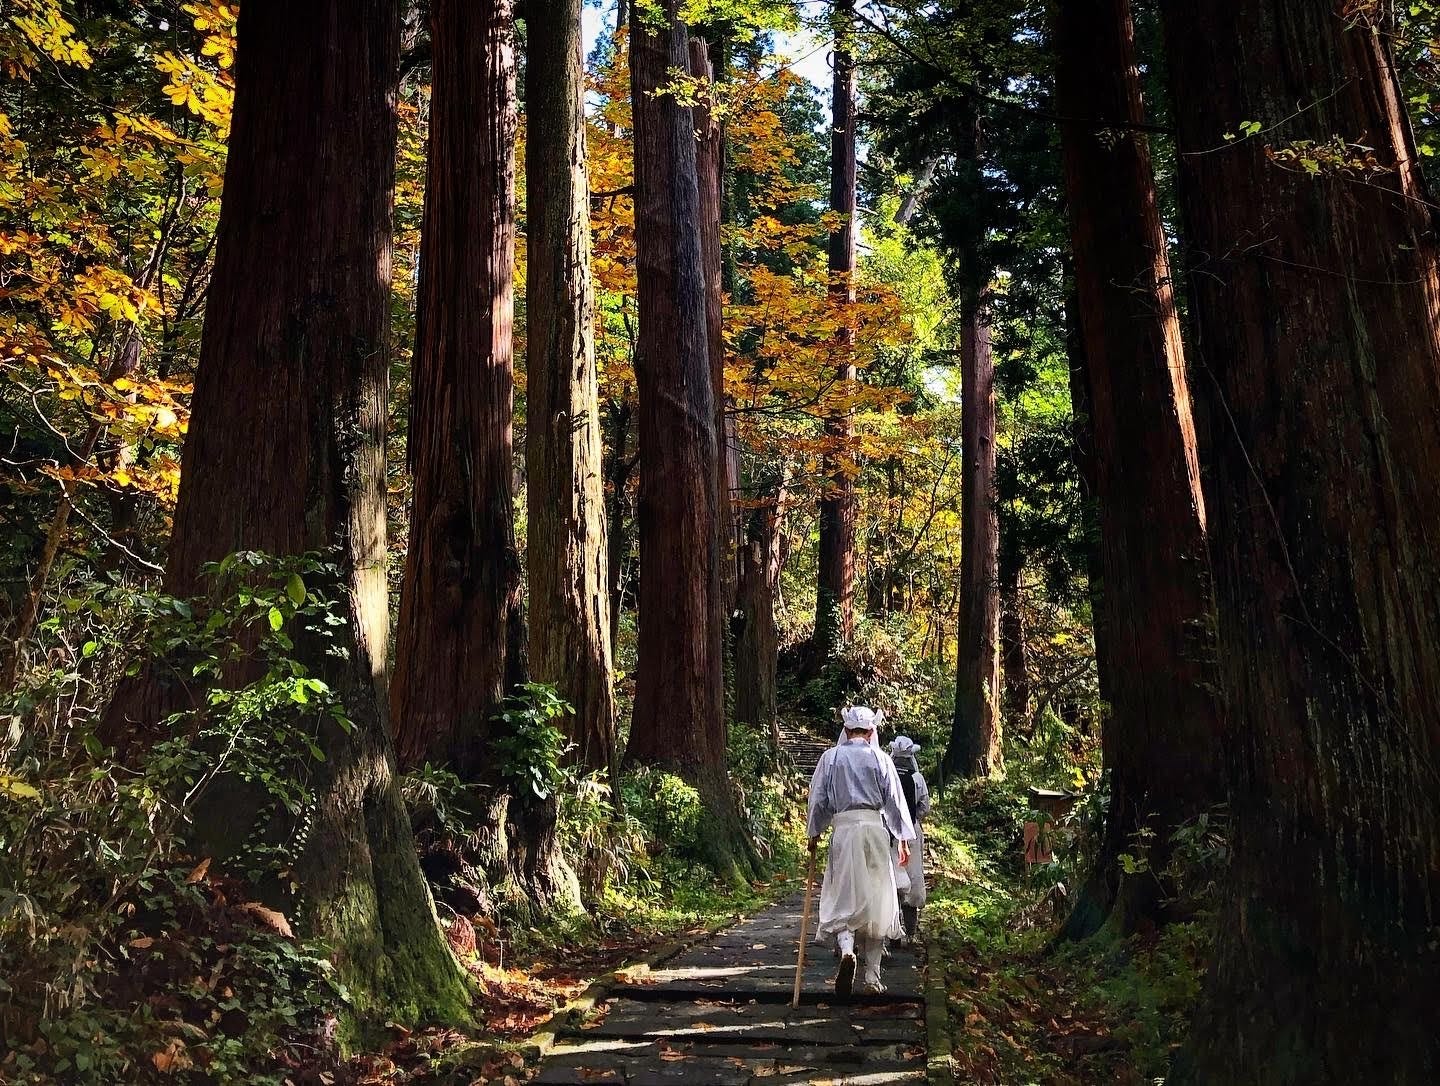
{"x": 859, "y": 893}
{"x": 910, "y": 879}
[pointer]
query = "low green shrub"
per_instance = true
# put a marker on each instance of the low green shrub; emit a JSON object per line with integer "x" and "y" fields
{"x": 123, "y": 956}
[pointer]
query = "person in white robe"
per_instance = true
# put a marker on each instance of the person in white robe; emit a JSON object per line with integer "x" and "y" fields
{"x": 910, "y": 873}
{"x": 857, "y": 791}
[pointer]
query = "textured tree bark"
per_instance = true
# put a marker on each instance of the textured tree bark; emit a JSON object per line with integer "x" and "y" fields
{"x": 1097, "y": 892}
{"x": 709, "y": 174}
{"x": 460, "y": 638}
{"x": 1014, "y": 660}
{"x": 679, "y": 718}
{"x": 1160, "y": 741}
{"x": 974, "y": 747}
{"x": 757, "y": 644}
{"x": 619, "y": 464}
{"x": 835, "y": 588}
{"x": 567, "y": 553}
{"x": 1316, "y": 303}
{"x": 286, "y": 454}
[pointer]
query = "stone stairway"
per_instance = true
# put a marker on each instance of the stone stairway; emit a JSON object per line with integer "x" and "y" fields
{"x": 803, "y": 747}
{"x": 719, "y": 1014}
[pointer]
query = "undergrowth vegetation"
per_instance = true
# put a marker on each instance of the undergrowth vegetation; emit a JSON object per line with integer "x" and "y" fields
{"x": 132, "y": 950}
{"x": 122, "y": 953}
{"x": 1023, "y": 1006}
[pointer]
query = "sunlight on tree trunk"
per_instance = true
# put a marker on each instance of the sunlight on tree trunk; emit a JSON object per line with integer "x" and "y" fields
{"x": 835, "y": 590}
{"x": 709, "y": 174}
{"x": 1316, "y": 297}
{"x": 679, "y": 718}
{"x": 569, "y": 618}
{"x": 286, "y": 453}
{"x": 1161, "y": 734}
{"x": 460, "y": 638}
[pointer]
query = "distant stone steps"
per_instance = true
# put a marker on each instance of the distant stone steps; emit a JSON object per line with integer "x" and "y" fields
{"x": 803, "y": 747}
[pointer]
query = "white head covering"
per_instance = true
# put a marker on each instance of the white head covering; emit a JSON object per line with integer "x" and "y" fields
{"x": 902, "y": 746}
{"x": 860, "y": 716}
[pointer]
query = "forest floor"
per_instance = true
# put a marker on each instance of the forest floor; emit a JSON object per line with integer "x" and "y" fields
{"x": 523, "y": 987}
{"x": 1024, "y": 1009}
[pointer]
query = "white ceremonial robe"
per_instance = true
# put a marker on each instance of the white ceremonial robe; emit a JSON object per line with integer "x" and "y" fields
{"x": 856, "y": 789}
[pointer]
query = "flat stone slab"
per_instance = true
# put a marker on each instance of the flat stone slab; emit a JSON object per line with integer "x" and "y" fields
{"x": 719, "y": 1015}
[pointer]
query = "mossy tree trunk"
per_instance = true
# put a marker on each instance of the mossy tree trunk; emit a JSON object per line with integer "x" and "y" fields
{"x": 1161, "y": 735}
{"x": 1317, "y": 308}
{"x": 286, "y": 454}
{"x": 679, "y": 720}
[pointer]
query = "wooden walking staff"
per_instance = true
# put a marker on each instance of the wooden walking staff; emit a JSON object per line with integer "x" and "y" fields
{"x": 804, "y": 926}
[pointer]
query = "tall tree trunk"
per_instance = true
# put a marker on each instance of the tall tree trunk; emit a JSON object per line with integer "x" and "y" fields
{"x": 757, "y": 644}
{"x": 565, "y": 494}
{"x": 457, "y": 653}
{"x": 1163, "y": 725}
{"x": 1097, "y": 891}
{"x": 286, "y": 454}
{"x": 1082, "y": 430}
{"x": 679, "y": 718}
{"x": 1013, "y": 656}
{"x": 460, "y": 639}
{"x": 835, "y": 589}
{"x": 709, "y": 173}
{"x": 618, "y": 466}
{"x": 1317, "y": 310}
{"x": 974, "y": 747}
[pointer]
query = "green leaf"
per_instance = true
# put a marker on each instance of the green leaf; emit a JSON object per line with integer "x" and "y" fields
{"x": 295, "y": 589}
{"x": 182, "y": 609}
{"x": 276, "y": 618}
{"x": 88, "y": 649}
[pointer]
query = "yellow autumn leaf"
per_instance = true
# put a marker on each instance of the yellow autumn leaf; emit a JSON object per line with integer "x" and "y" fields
{"x": 15, "y": 788}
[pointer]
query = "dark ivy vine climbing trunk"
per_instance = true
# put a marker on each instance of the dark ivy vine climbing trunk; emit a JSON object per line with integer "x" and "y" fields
{"x": 679, "y": 718}
{"x": 1160, "y": 738}
{"x": 1316, "y": 296}
{"x": 286, "y": 453}
{"x": 709, "y": 177}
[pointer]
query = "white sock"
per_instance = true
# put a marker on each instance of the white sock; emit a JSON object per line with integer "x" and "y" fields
{"x": 874, "y": 952}
{"x": 845, "y": 940}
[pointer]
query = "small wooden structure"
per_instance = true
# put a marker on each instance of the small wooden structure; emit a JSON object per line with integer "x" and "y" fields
{"x": 1056, "y": 805}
